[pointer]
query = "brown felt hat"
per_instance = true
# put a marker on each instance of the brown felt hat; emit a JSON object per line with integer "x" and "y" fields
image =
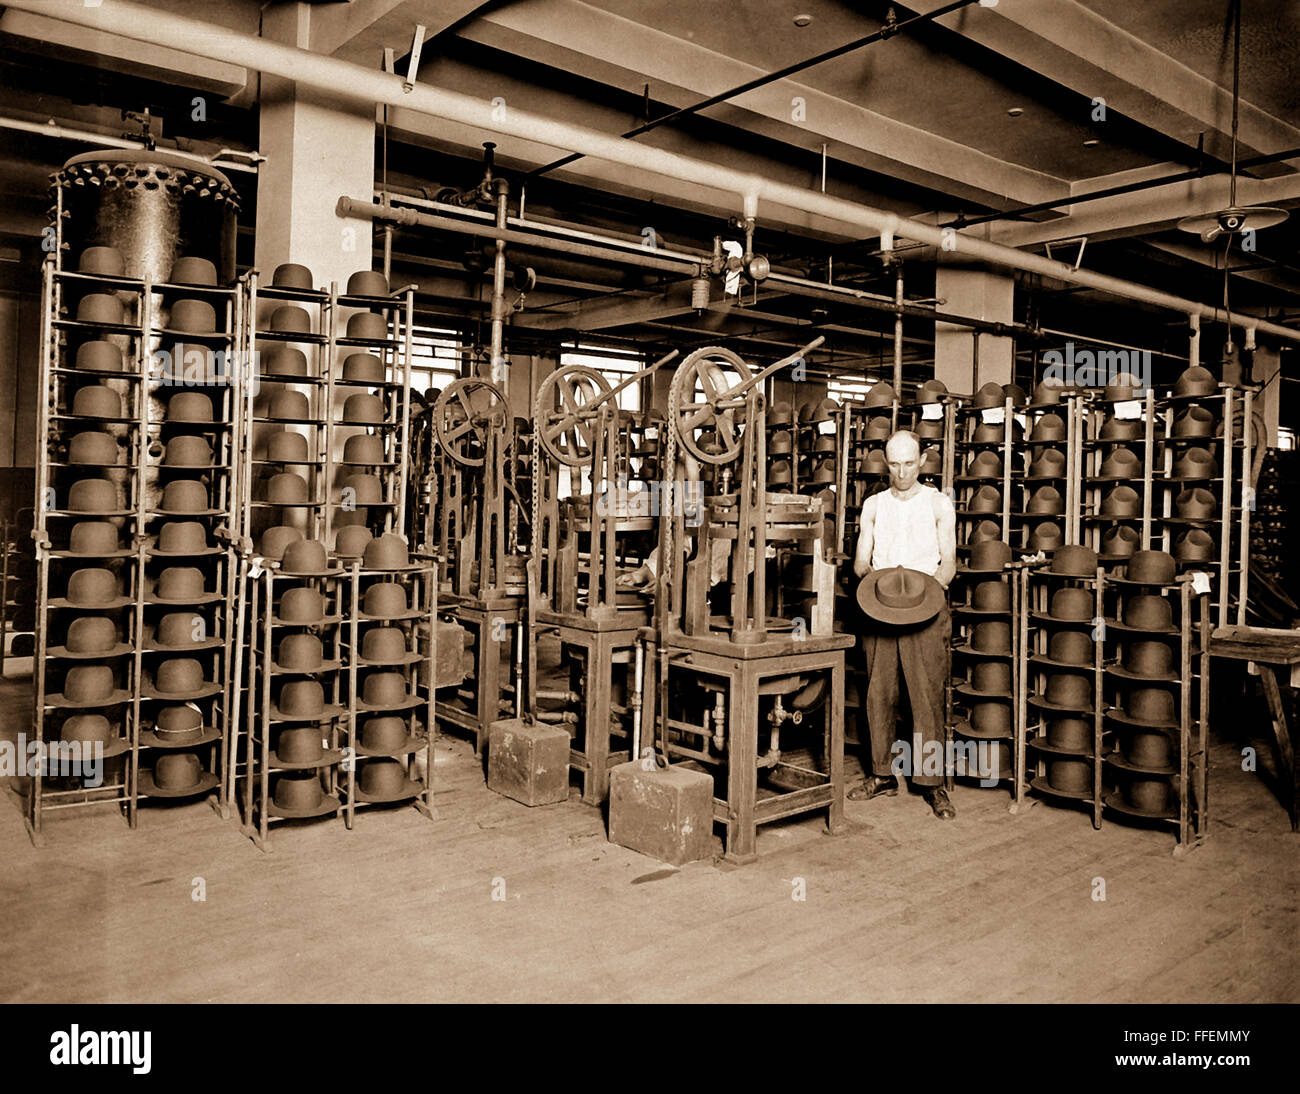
{"x": 366, "y": 489}
{"x": 1121, "y": 501}
{"x": 99, "y": 307}
{"x": 930, "y": 429}
{"x": 384, "y": 689}
{"x": 177, "y": 629}
{"x": 180, "y": 583}
{"x": 289, "y": 405}
{"x": 193, "y": 317}
{"x": 984, "y": 531}
{"x": 1068, "y": 691}
{"x": 275, "y": 539}
{"x": 779, "y": 473}
{"x": 297, "y": 793}
{"x": 174, "y": 772}
{"x": 991, "y": 637}
{"x": 1196, "y": 463}
{"x": 1149, "y": 658}
{"x": 1123, "y": 387}
{"x": 383, "y": 733}
{"x": 875, "y": 463}
{"x": 188, "y": 451}
{"x": 1151, "y": 568}
{"x": 1147, "y": 748}
{"x": 368, "y": 325}
{"x": 367, "y": 283}
{"x": 384, "y": 644}
{"x": 1119, "y": 542}
{"x": 1048, "y": 391}
{"x": 1070, "y": 734}
{"x": 1120, "y": 429}
{"x": 99, "y": 356}
{"x": 291, "y": 275}
{"x": 363, "y": 409}
{"x": 302, "y": 604}
{"x": 1196, "y": 380}
{"x": 386, "y": 552}
{"x": 178, "y": 677}
{"x": 988, "y": 396}
{"x": 283, "y": 360}
{"x": 87, "y": 729}
{"x": 879, "y": 396}
{"x": 1070, "y": 776}
{"x": 189, "y": 406}
{"x": 351, "y": 541}
{"x": 301, "y": 699}
{"x": 285, "y": 446}
{"x": 1071, "y": 605}
{"x": 286, "y": 488}
{"x": 180, "y": 536}
{"x": 88, "y": 684}
{"x": 304, "y": 556}
{"x": 178, "y": 725}
{"x": 991, "y": 596}
{"x": 384, "y": 780}
{"x": 1195, "y": 545}
{"x": 992, "y": 677}
{"x": 931, "y": 462}
{"x": 1046, "y": 536}
{"x": 1075, "y": 560}
{"x": 93, "y": 587}
{"x": 93, "y": 447}
{"x": 1121, "y": 463}
{"x": 879, "y": 429}
{"x": 989, "y": 556}
{"x": 364, "y": 368}
{"x": 384, "y": 599}
{"x": 291, "y": 319}
{"x": 102, "y": 262}
{"x": 1048, "y": 464}
{"x": 1196, "y": 503}
{"x": 91, "y": 634}
{"x": 97, "y": 401}
{"x": 1046, "y": 501}
{"x": 780, "y": 414}
{"x": 192, "y": 270}
{"x": 366, "y": 449}
{"x": 989, "y": 719}
{"x": 1148, "y": 612}
{"x": 299, "y": 745}
{"x": 987, "y": 433}
{"x": 1195, "y": 421}
{"x": 93, "y": 537}
{"x": 92, "y": 496}
{"x": 1071, "y": 647}
{"x": 300, "y": 653}
{"x": 984, "y": 465}
{"x": 1147, "y": 796}
{"x": 1017, "y": 394}
{"x": 1151, "y": 707}
{"x": 184, "y": 496}
{"x": 1050, "y": 427}
{"x": 900, "y": 596}
{"x": 932, "y": 391}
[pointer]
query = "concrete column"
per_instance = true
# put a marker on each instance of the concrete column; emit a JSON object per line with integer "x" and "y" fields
{"x": 980, "y": 294}
{"x": 1268, "y": 363}
{"x": 317, "y": 147}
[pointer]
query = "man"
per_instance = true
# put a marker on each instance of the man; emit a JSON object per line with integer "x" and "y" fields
{"x": 910, "y": 525}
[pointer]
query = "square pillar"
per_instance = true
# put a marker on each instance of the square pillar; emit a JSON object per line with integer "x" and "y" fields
{"x": 980, "y": 294}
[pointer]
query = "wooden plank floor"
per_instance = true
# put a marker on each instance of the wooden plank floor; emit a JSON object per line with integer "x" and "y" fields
{"x": 989, "y": 907}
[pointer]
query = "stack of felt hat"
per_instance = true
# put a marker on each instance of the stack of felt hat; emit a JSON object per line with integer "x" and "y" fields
{"x": 983, "y": 701}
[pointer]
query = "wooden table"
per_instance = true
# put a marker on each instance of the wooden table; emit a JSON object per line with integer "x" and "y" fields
{"x": 1275, "y": 652}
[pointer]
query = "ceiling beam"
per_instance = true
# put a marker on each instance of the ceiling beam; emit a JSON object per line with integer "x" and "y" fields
{"x": 359, "y": 31}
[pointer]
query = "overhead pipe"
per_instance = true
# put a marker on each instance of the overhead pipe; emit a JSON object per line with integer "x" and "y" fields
{"x": 339, "y": 77}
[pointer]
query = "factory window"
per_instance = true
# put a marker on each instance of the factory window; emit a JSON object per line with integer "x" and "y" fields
{"x": 617, "y": 365}
{"x": 435, "y": 357}
{"x": 842, "y": 390}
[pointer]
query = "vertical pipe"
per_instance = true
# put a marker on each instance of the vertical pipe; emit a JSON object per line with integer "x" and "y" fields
{"x": 1225, "y": 514}
{"x": 1194, "y": 342}
{"x": 1247, "y": 502}
{"x": 497, "y": 373}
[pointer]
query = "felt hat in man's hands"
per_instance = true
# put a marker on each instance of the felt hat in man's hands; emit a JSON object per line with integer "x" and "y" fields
{"x": 900, "y": 596}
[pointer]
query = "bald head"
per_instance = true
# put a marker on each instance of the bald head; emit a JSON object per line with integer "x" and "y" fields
{"x": 903, "y": 454}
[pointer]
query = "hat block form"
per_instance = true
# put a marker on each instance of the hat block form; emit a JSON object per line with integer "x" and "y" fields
{"x": 529, "y": 763}
{"x": 666, "y": 813}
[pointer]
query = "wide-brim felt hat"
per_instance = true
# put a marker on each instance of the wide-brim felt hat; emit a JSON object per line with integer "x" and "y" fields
{"x": 367, "y": 283}
{"x": 351, "y": 540}
{"x": 991, "y": 638}
{"x": 1074, "y": 560}
{"x": 300, "y": 653}
{"x": 1123, "y": 388}
{"x": 367, "y": 326}
{"x": 900, "y": 596}
{"x": 1046, "y": 536}
{"x": 1195, "y": 464}
{"x": 1046, "y": 501}
{"x": 984, "y": 465}
{"x": 386, "y": 735}
{"x": 988, "y": 433}
{"x": 1146, "y": 614}
{"x": 1047, "y": 392}
{"x": 184, "y": 497}
{"x": 300, "y": 700}
{"x": 780, "y": 444}
{"x": 780, "y": 414}
{"x": 93, "y": 497}
{"x": 988, "y": 680}
{"x": 189, "y": 406}
{"x": 90, "y": 685}
{"x": 177, "y": 678}
{"x": 386, "y": 690}
{"x": 180, "y": 585}
{"x": 292, "y": 275}
{"x": 302, "y": 746}
{"x": 386, "y": 646}
{"x": 1017, "y": 394}
{"x": 1068, "y": 647}
{"x": 386, "y": 552}
{"x": 363, "y": 408}
{"x": 1196, "y": 380}
{"x": 1070, "y": 777}
{"x": 366, "y": 489}
{"x": 984, "y": 532}
{"x": 1068, "y": 606}
{"x": 176, "y": 775}
{"x": 176, "y": 631}
{"x": 1050, "y": 427}
{"x": 99, "y": 356}
{"x": 1120, "y": 429}
{"x": 287, "y": 488}
{"x": 384, "y": 600}
{"x": 988, "y": 396}
{"x": 193, "y": 270}
{"x": 101, "y": 308}
{"x": 1148, "y": 706}
{"x": 1144, "y": 795}
{"x": 301, "y": 605}
{"x": 988, "y": 557}
{"x": 283, "y": 360}
{"x": 990, "y": 597}
{"x": 276, "y": 539}
{"x": 1048, "y": 464}
{"x": 178, "y": 726}
{"x": 192, "y": 317}
{"x": 384, "y": 780}
{"x": 363, "y": 368}
{"x": 1147, "y": 659}
{"x": 1195, "y": 421}
{"x": 928, "y": 429}
{"x": 290, "y": 319}
{"x": 299, "y": 794}
{"x": 1196, "y": 503}
{"x": 1119, "y": 542}
{"x": 93, "y": 539}
{"x": 305, "y": 556}
{"x": 102, "y": 261}
{"x": 1145, "y": 750}
{"x": 987, "y": 719}
{"x": 1067, "y": 735}
{"x": 824, "y": 444}
{"x": 880, "y": 396}
{"x": 91, "y": 636}
{"x": 1066, "y": 692}
{"x": 875, "y": 463}
{"x": 96, "y": 401}
{"x": 987, "y": 498}
{"x": 932, "y": 391}
{"x": 1149, "y": 568}
{"x": 92, "y": 587}
{"x": 1120, "y": 463}
{"x": 289, "y": 406}
{"x": 95, "y": 734}
{"x": 284, "y": 446}
{"x": 1121, "y": 502}
{"x": 187, "y": 451}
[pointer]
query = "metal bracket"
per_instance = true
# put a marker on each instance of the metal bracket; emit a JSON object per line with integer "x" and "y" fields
{"x": 417, "y": 44}
{"x": 1082, "y": 241}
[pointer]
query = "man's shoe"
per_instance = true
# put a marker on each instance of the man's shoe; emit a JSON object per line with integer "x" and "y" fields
{"x": 874, "y": 786}
{"x": 937, "y": 798}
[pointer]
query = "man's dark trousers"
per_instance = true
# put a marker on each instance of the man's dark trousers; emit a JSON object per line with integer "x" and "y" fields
{"x": 920, "y": 655}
